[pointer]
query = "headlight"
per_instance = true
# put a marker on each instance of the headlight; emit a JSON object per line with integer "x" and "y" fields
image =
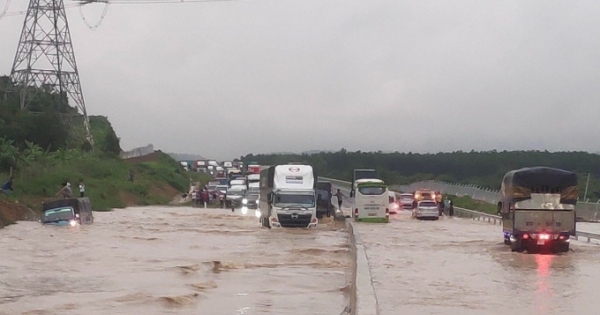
{"x": 245, "y": 201}
{"x": 72, "y": 223}
{"x": 257, "y": 213}
{"x": 244, "y": 210}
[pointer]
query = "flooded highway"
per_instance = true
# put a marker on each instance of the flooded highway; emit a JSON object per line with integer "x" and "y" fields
{"x": 461, "y": 266}
{"x": 458, "y": 266}
{"x": 158, "y": 260}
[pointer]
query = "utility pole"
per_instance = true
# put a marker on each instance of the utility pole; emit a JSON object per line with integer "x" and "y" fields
{"x": 45, "y": 60}
{"x": 586, "y": 188}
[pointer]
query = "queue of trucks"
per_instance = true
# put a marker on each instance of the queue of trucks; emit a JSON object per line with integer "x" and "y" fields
{"x": 212, "y": 167}
{"x": 537, "y": 205}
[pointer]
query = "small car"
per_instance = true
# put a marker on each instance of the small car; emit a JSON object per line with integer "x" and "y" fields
{"x": 426, "y": 209}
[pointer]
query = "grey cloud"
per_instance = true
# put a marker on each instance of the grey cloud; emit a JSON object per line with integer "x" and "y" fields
{"x": 226, "y": 79}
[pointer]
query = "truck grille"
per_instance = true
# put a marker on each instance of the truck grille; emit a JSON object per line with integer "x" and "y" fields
{"x": 286, "y": 220}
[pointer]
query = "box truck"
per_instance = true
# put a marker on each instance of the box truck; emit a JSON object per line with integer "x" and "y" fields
{"x": 287, "y": 197}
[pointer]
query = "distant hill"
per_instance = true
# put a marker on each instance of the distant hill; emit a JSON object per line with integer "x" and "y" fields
{"x": 186, "y": 157}
{"x": 310, "y": 152}
{"x": 317, "y": 152}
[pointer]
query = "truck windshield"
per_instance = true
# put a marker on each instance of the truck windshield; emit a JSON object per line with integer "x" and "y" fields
{"x": 58, "y": 214}
{"x": 287, "y": 200}
{"x": 371, "y": 190}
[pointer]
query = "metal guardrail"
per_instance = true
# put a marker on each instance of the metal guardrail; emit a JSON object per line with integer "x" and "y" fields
{"x": 462, "y": 212}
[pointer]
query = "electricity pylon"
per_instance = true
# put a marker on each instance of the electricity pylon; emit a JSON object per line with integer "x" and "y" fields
{"x": 45, "y": 60}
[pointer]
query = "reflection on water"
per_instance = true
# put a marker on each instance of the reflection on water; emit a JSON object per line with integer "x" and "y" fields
{"x": 456, "y": 266}
{"x": 172, "y": 260}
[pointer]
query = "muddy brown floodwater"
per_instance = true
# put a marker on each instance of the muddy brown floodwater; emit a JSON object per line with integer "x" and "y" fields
{"x": 458, "y": 266}
{"x": 179, "y": 260}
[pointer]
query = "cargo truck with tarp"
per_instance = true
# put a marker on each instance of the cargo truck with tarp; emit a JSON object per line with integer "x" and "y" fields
{"x": 538, "y": 208}
{"x": 287, "y": 196}
{"x": 324, "y": 196}
{"x": 72, "y": 211}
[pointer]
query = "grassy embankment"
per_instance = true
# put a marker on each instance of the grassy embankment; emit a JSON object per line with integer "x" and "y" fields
{"x": 157, "y": 179}
{"x": 472, "y": 204}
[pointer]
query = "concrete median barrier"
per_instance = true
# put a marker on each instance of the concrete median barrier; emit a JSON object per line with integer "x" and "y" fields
{"x": 363, "y": 300}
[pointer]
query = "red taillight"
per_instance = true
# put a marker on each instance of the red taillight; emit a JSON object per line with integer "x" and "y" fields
{"x": 525, "y": 236}
{"x": 562, "y": 237}
{"x": 314, "y": 220}
{"x": 387, "y": 211}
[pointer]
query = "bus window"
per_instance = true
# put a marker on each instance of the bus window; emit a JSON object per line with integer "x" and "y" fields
{"x": 371, "y": 190}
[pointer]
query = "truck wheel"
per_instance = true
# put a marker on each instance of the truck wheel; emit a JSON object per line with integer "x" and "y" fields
{"x": 516, "y": 246}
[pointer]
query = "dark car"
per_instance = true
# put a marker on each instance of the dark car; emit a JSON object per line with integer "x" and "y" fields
{"x": 252, "y": 201}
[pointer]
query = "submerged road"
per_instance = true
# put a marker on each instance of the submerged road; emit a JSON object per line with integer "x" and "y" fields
{"x": 158, "y": 260}
{"x": 458, "y": 266}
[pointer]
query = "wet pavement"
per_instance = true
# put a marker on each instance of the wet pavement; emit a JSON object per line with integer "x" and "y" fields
{"x": 457, "y": 266}
{"x": 177, "y": 260}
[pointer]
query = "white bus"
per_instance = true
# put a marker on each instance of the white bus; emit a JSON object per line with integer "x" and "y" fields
{"x": 371, "y": 201}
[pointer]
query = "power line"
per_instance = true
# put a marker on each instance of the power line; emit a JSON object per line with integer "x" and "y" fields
{"x": 3, "y": 14}
{"x": 80, "y": 3}
{"x": 102, "y": 16}
{"x": 165, "y": 1}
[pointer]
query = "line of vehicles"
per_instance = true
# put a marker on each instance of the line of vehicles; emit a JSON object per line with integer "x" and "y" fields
{"x": 537, "y": 205}
{"x": 220, "y": 169}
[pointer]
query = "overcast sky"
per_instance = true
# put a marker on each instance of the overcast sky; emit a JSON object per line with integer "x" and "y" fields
{"x": 256, "y": 76}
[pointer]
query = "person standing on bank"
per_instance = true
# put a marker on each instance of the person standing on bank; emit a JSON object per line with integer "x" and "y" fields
{"x": 8, "y": 187}
{"x": 81, "y": 189}
{"x": 66, "y": 191}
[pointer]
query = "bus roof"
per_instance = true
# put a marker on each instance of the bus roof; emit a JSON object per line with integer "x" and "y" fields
{"x": 369, "y": 180}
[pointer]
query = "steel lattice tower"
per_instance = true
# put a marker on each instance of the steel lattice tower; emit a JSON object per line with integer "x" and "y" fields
{"x": 45, "y": 60}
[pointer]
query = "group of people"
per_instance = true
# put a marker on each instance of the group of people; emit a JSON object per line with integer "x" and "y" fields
{"x": 67, "y": 192}
{"x": 203, "y": 197}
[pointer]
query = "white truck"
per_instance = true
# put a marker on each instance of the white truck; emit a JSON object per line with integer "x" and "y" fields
{"x": 287, "y": 196}
{"x": 253, "y": 179}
